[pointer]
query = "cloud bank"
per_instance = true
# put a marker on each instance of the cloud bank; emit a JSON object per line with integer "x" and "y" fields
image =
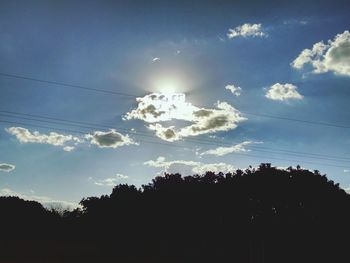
{"x": 197, "y": 167}
{"x": 333, "y": 56}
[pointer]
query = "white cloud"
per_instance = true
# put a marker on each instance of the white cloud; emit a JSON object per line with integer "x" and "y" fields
{"x": 246, "y": 30}
{"x": 346, "y": 171}
{"x": 68, "y": 148}
{"x": 47, "y": 202}
{"x": 213, "y": 167}
{"x": 109, "y": 139}
{"x": 165, "y": 133}
{"x": 197, "y": 167}
{"x": 220, "y": 151}
{"x": 23, "y": 135}
{"x": 155, "y": 59}
{"x": 334, "y": 56}
{"x": 155, "y": 108}
{"x": 296, "y": 22}
{"x": 112, "y": 181}
{"x": 347, "y": 190}
{"x": 283, "y": 92}
{"x": 6, "y": 167}
{"x": 162, "y": 163}
{"x": 234, "y": 90}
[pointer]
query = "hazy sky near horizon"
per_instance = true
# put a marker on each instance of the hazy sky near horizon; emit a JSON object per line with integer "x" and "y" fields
{"x": 189, "y": 86}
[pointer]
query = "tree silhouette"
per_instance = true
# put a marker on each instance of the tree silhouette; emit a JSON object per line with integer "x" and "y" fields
{"x": 262, "y": 214}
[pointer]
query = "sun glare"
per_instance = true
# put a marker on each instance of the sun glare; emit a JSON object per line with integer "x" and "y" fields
{"x": 168, "y": 86}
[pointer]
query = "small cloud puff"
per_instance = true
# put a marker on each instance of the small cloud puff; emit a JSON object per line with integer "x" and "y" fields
{"x": 109, "y": 139}
{"x": 6, "y": 167}
{"x": 283, "y": 92}
{"x": 68, "y": 148}
{"x": 246, "y": 30}
{"x": 234, "y": 90}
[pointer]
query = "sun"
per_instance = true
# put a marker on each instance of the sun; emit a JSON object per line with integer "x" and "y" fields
{"x": 168, "y": 86}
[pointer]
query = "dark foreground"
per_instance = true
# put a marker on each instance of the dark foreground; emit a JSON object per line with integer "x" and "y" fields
{"x": 253, "y": 216}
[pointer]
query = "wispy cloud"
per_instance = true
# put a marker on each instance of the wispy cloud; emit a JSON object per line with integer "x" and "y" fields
{"x": 161, "y": 162}
{"x": 221, "y": 151}
{"x": 111, "y": 181}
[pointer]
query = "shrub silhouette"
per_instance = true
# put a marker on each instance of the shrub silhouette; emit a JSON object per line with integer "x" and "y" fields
{"x": 259, "y": 214}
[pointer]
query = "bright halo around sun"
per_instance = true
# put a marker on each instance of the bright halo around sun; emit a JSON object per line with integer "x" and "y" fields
{"x": 168, "y": 86}
{"x": 169, "y": 82}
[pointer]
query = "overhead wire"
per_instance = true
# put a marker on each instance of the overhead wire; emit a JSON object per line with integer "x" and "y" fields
{"x": 89, "y": 125}
{"x": 171, "y": 145}
{"x": 179, "y": 146}
{"x": 68, "y": 85}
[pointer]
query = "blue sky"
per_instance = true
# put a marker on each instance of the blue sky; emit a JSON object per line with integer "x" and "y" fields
{"x": 198, "y": 70}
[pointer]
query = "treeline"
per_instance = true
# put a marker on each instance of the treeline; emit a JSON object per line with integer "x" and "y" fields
{"x": 254, "y": 215}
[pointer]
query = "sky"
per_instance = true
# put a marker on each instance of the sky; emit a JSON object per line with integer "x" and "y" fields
{"x": 97, "y": 93}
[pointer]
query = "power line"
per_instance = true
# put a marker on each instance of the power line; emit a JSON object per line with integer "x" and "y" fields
{"x": 297, "y": 120}
{"x": 173, "y": 145}
{"x": 67, "y": 85}
{"x": 63, "y": 84}
{"x": 199, "y": 141}
{"x": 178, "y": 146}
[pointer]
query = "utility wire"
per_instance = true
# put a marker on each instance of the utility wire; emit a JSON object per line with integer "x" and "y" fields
{"x": 179, "y": 146}
{"x": 203, "y": 141}
{"x": 67, "y": 85}
{"x": 173, "y": 145}
{"x": 206, "y": 142}
{"x": 135, "y": 96}
{"x": 200, "y": 141}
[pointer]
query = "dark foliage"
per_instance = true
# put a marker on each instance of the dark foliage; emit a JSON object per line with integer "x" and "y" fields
{"x": 256, "y": 215}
